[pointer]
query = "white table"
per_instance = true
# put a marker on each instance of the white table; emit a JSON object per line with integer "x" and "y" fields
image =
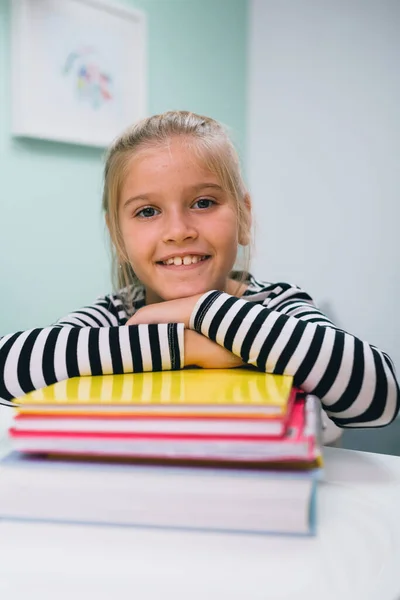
{"x": 355, "y": 556}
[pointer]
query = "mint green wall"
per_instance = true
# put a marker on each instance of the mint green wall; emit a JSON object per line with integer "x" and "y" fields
{"x": 53, "y": 248}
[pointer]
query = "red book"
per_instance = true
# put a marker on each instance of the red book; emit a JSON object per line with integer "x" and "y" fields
{"x": 183, "y": 439}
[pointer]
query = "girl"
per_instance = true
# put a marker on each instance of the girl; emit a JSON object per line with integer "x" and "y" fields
{"x": 177, "y": 209}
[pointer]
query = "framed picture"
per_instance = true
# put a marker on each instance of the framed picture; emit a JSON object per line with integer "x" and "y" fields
{"x": 78, "y": 70}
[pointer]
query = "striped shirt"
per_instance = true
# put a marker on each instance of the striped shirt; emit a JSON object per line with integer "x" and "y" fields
{"x": 274, "y": 326}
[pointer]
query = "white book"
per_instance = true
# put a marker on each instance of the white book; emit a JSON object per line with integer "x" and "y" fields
{"x": 199, "y": 498}
{"x": 216, "y": 426}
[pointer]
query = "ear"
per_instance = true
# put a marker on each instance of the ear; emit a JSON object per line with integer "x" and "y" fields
{"x": 245, "y": 225}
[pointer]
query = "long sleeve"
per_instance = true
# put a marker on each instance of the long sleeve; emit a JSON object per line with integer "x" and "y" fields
{"x": 287, "y": 334}
{"x": 91, "y": 341}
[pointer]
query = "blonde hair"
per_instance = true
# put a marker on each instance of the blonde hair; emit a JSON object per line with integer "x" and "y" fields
{"x": 205, "y": 136}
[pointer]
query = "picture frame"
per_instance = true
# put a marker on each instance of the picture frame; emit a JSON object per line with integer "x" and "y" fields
{"x": 78, "y": 70}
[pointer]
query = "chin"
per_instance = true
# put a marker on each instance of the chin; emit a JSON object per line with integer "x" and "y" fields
{"x": 184, "y": 291}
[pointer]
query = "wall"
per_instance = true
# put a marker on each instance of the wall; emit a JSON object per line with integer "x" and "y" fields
{"x": 323, "y": 156}
{"x": 53, "y": 250}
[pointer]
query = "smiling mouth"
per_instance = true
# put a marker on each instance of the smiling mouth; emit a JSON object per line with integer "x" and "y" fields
{"x": 184, "y": 261}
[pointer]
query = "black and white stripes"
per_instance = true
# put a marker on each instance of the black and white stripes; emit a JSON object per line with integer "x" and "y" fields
{"x": 287, "y": 334}
{"x": 39, "y": 357}
{"x": 275, "y": 327}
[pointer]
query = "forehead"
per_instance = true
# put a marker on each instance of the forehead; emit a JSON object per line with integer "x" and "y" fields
{"x": 175, "y": 161}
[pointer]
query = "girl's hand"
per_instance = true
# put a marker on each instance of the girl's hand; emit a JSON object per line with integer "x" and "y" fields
{"x": 199, "y": 350}
{"x": 171, "y": 311}
{"x": 203, "y": 352}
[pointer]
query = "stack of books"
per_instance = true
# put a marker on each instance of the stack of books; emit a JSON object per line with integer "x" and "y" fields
{"x": 235, "y": 450}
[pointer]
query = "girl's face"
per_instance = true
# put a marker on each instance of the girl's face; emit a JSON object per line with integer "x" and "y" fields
{"x": 178, "y": 225}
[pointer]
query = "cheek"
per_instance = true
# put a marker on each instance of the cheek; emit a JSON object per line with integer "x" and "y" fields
{"x": 127, "y": 237}
{"x": 140, "y": 246}
{"x": 228, "y": 230}
{"x": 131, "y": 235}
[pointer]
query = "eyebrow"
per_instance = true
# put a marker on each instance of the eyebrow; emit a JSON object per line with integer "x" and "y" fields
{"x": 193, "y": 188}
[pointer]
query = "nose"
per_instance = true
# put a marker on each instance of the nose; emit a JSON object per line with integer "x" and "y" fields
{"x": 179, "y": 228}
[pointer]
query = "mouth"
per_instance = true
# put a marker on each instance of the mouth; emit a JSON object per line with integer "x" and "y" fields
{"x": 184, "y": 261}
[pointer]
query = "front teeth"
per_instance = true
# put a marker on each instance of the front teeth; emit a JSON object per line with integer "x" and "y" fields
{"x": 186, "y": 260}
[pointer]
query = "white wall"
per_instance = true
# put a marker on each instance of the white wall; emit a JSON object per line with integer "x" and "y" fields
{"x": 324, "y": 156}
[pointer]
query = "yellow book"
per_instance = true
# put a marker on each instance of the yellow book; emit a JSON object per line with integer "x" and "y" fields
{"x": 242, "y": 393}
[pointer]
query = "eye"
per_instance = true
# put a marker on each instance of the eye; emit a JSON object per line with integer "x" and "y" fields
{"x": 204, "y": 203}
{"x": 147, "y": 212}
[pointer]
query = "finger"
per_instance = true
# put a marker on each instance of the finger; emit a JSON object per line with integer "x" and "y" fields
{"x": 133, "y": 321}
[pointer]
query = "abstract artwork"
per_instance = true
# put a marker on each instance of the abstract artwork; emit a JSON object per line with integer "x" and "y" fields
{"x": 91, "y": 81}
{"x": 78, "y": 69}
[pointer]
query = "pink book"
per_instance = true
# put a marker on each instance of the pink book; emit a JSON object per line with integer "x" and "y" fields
{"x": 299, "y": 443}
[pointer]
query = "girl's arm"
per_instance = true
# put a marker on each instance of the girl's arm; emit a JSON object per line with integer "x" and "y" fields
{"x": 88, "y": 342}
{"x": 355, "y": 381}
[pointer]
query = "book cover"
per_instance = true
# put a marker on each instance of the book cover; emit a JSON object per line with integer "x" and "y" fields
{"x": 228, "y": 392}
